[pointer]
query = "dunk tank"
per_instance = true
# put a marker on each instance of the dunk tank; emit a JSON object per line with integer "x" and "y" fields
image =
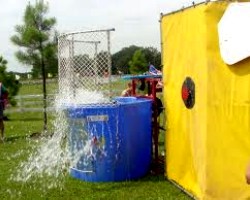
{"x": 206, "y": 73}
{"x": 109, "y": 137}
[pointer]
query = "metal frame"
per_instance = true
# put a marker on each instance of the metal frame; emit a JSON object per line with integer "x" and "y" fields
{"x": 192, "y": 6}
{"x": 81, "y": 72}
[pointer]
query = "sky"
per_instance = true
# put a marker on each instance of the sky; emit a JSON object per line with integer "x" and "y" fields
{"x": 136, "y": 22}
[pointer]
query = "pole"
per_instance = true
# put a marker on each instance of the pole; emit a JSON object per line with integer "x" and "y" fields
{"x": 109, "y": 60}
{"x": 44, "y": 94}
{"x": 95, "y": 63}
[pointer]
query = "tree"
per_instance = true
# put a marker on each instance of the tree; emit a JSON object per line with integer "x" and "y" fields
{"x": 9, "y": 81}
{"x": 153, "y": 56}
{"x": 138, "y": 64}
{"x": 120, "y": 60}
{"x": 37, "y": 43}
{"x": 102, "y": 60}
{"x": 37, "y": 39}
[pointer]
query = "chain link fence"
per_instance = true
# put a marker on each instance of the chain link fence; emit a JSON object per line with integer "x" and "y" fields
{"x": 85, "y": 66}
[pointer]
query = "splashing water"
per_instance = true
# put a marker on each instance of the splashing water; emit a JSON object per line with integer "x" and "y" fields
{"x": 52, "y": 159}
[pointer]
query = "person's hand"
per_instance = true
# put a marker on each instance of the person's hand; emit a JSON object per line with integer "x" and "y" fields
{"x": 248, "y": 174}
{"x": 8, "y": 105}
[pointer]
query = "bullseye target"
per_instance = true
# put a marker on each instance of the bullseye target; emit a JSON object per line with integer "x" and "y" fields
{"x": 188, "y": 92}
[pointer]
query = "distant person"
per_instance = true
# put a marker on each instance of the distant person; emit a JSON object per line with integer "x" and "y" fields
{"x": 120, "y": 73}
{"x": 105, "y": 77}
{"x": 128, "y": 91}
{"x": 106, "y": 74}
{"x": 3, "y": 103}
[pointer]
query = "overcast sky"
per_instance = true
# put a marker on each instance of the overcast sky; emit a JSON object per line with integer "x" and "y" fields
{"x": 136, "y": 22}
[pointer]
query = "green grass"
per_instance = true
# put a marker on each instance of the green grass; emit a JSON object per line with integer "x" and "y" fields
{"x": 18, "y": 147}
{"x": 28, "y": 88}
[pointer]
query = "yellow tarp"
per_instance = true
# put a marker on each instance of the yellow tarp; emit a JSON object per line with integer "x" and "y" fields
{"x": 208, "y": 146}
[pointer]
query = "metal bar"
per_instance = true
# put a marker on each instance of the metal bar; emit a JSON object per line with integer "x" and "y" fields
{"x": 182, "y": 189}
{"x": 72, "y": 54}
{"x": 95, "y": 63}
{"x": 91, "y": 31}
{"x": 161, "y": 41}
{"x": 185, "y": 8}
{"x": 91, "y": 42}
{"x": 109, "y": 60}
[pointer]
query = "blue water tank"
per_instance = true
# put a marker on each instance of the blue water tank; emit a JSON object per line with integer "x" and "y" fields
{"x": 111, "y": 142}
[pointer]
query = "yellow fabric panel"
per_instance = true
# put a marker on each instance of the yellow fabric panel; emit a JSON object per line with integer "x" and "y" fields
{"x": 228, "y": 119}
{"x": 184, "y": 54}
{"x": 207, "y": 147}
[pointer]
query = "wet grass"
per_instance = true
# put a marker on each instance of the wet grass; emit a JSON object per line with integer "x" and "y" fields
{"x": 19, "y": 145}
{"x": 13, "y": 152}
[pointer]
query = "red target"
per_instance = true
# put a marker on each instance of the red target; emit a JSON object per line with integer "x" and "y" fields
{"x": 188, "y": 93}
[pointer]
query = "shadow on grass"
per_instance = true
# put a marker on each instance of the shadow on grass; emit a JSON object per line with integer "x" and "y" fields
{"x": 25, "y": 119}
{"x": 35, "y": 135}
{"x": 161, "y": 143}
{"x": 116, "y": 185}
{"x": 13, "y": 138}
{"x": 149, "y": 182}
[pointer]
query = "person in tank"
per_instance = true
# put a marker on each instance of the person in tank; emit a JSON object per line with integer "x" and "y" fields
{"x": 128, "y": 91}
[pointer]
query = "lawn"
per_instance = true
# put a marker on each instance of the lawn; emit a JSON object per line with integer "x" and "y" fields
{"x": 18, "y": 147}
